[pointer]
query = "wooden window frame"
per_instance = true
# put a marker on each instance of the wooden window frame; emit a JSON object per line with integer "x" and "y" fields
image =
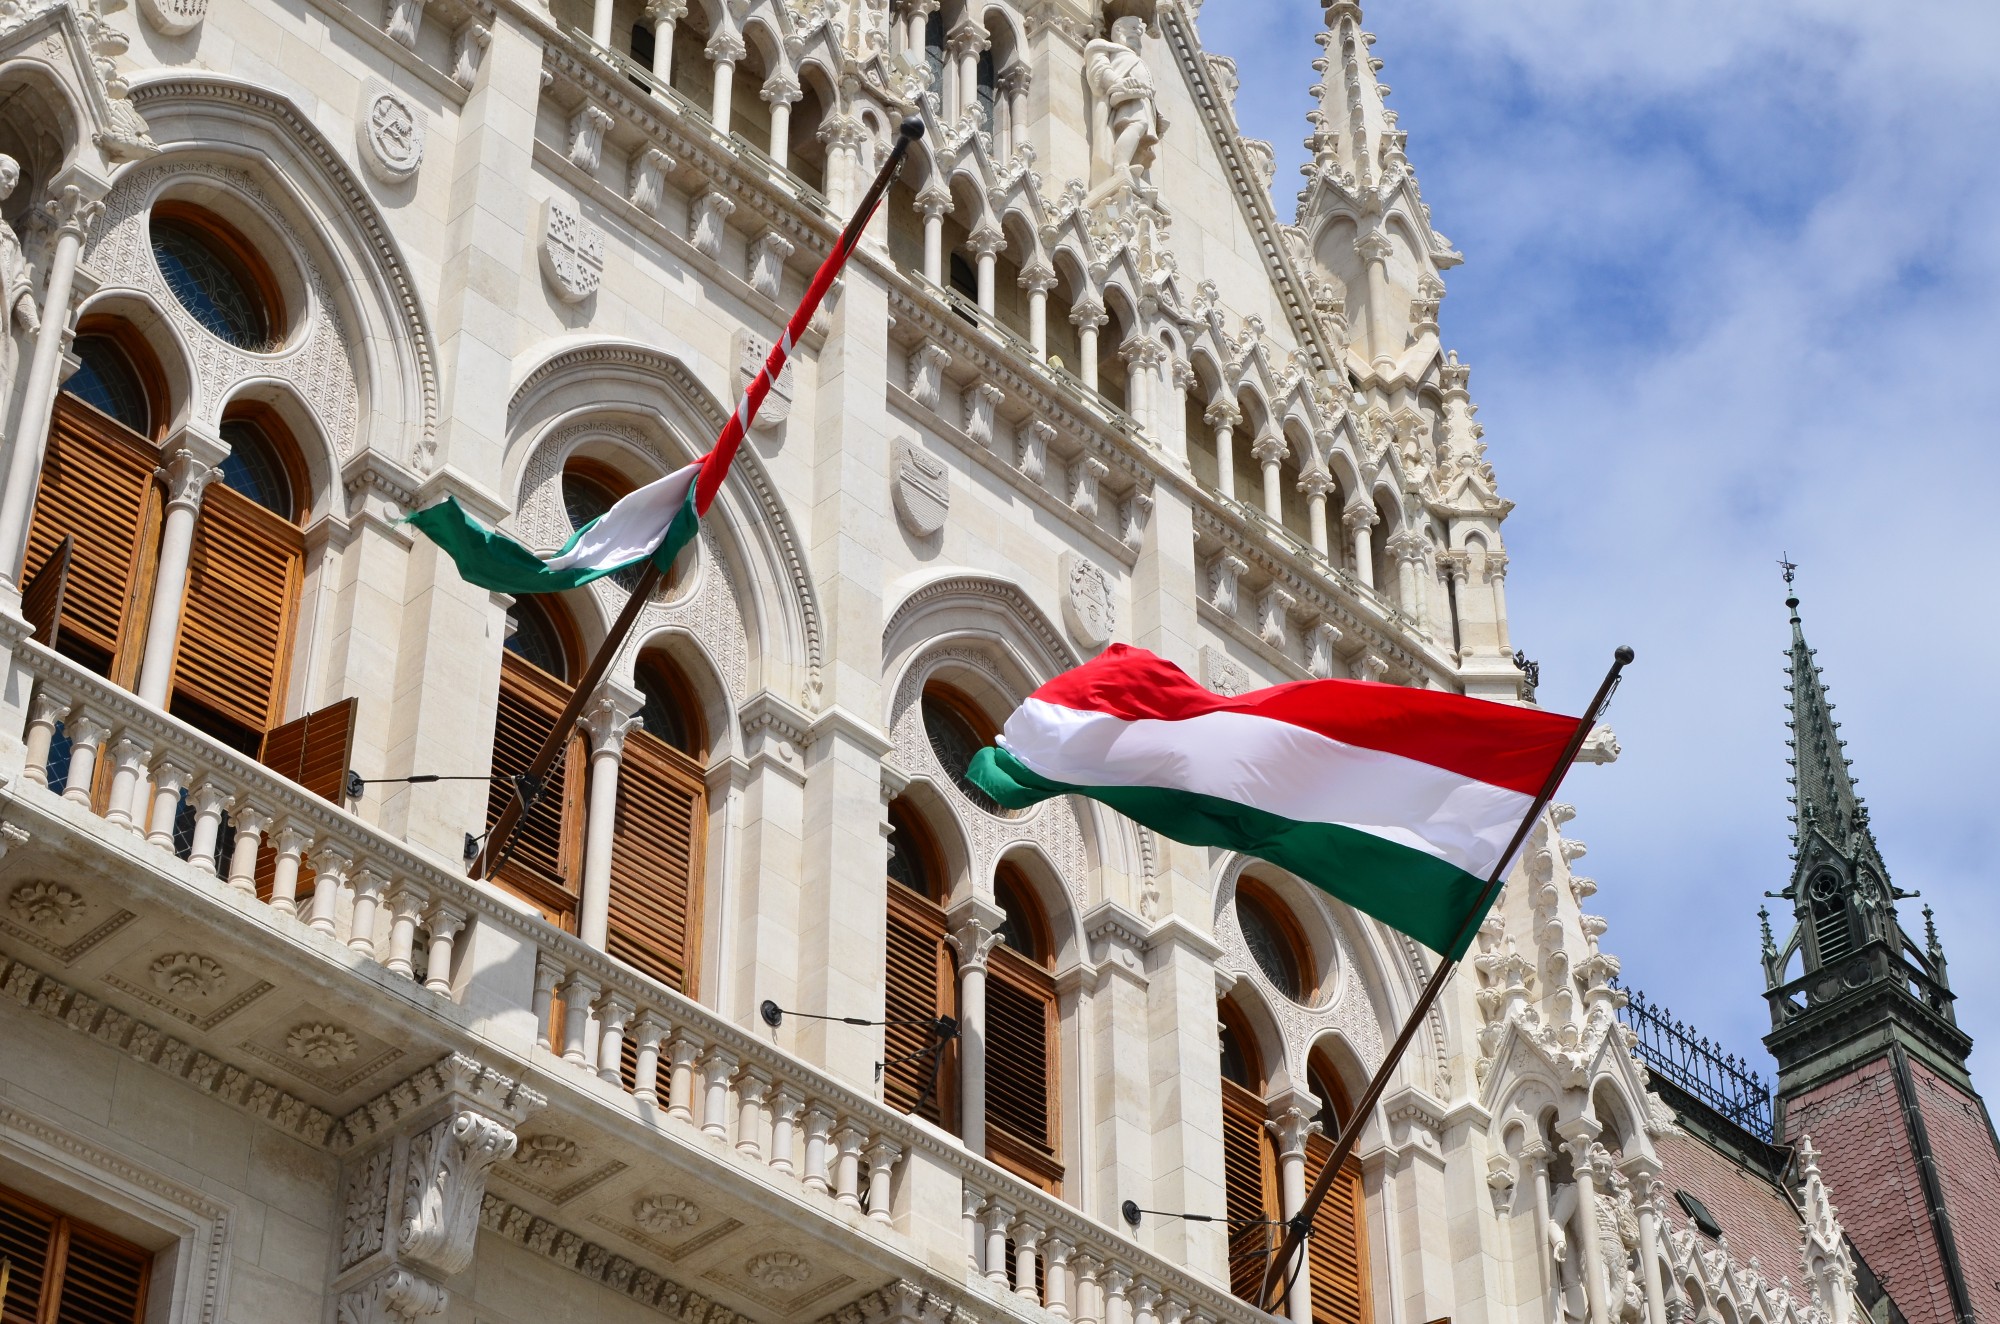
{"x": 1285, "y": 926}
{"x": 1019, "y": 1154}
{"x": 1236, "y": 1025}
{"x": 64, "y": 1233}
{"x": 674, "y": 681}
{"x": 914, "y": 827}
{"x": 238, "y": 252}
{"x": 284, "y": 443}
{"x": 1346, "y": 1200}
{"x": 1028, "y": 904}
{"x": 145, "y": 365}
{"x": 924, "y": 912}
{"x": 564, "y": 627}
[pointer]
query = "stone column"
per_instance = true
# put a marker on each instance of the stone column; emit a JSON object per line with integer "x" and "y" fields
{"x": 934, "y": 200}
{"x": 607, "y": 721}
{"x": 192, "y": 461}
{"x": 1373, "y": 249}
{"x": 1143, "y": 356}
{"x": 781, "y": 91}
{"x": 74, "y": 209}
{"x": 1316, "y": 483}
{"x": 975, "y": 927}
{"x": 1535, "y": 1155}
{"x": 1360, "y": 517}
{"x": 1291, "y": 1122}
{"x": 1013, "y": 85}
{"x": 986, "y": 241}
{"x": 966, "y": 43}
{"x": 1270, "y": 451}
{"x": 1087, "y": 318}
{"x": 600, "y": 23}
{"x": 1223, "y": 415}
{"x": 1580, "y": 1136}
{"x": 1038, "y": 280}
{"x": 1644, "y": 1174}
{"x": 664, "y": 14}
{"x": 725, "y": 48}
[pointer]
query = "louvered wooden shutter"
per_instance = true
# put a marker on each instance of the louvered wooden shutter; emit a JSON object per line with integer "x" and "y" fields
{"x": 97, "y": 487}
{"x": 1250, "y": 1186}
{"x": 920, "y": 989}
{"x": 656, "y": 857}
{"x": 542, "y": 868}
{"x": 236, "y": 621}
{"x": 1339, "y": 1241}
{"x": 315, "y": 750}
{"x": 1022, "y": 1100}
{"x": 42, "y": 597}
{"x": 67, "y": 1272}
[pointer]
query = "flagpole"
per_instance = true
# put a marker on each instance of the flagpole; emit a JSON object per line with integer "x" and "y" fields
{"x": 1297, "y": 1227}
{"x": 528, "y": 785}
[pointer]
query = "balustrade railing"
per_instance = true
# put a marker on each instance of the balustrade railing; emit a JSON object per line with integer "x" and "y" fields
{"x": 214, "y": 810}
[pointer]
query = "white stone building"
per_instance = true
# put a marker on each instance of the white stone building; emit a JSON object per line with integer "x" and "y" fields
{"x": 280, "y": 271}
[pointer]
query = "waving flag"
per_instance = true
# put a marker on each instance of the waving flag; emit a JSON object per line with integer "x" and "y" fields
{"x": 1398, "y": 801}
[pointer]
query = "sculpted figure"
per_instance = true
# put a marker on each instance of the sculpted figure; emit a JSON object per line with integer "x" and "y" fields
{"x": 1119, "y": 78}
{"x": 17, "y": 296}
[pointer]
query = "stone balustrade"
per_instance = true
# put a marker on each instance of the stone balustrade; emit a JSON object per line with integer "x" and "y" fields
{"x": 681, "y": 1064}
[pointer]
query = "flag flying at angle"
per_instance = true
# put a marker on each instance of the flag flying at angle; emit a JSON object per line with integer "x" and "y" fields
{"x": 1397, "y": 801}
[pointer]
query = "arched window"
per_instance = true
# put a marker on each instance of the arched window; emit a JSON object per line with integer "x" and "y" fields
{"x": 957, "y": 730}
{"x": 934, "y": 51}
{"x": 1249, "y": 1159}
{"x": 544, "y": 865}
{"x": 1339, "y": 1243}
{"x": 108, "y": 381}
{"x": 1276, "y": 942}
{"x": 1023, "y": 1101}
{"x": 920, "y": 975}
{"x": 984, "y": 88}
{"x": 217, "y": 276}
{"x": 589, "y": 488}
{"x": 1833, "y": 934}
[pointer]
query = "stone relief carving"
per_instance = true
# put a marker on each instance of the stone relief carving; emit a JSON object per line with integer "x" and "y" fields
{"x": 665, "y": 1214}
{"x": 752, "y": 351}
{"x": 45, "y": 905}
{"x": 392, "y": 131}
{"x": 443, "y": 1188}
{"x": 1344, "y": 1003}
{"x": 17, "y": 293}
{"x": 365, "y": 1213}
{"x": 314, "y": 359}
{"x": 321, "y": 1046}
{"x": 919, "y": 488}
{"x": 1088, "y": 606}
{"x": 1119, "y": 78}
{"x": 187, "y": 975}
{"x": 1051, "y": 826}
{"x": 172, "y": 18}
{"x": 778, "y": 1271}
{"x": 1223, "y": 674}
{"x": 572, "y": 252}
{"x": 546, "y": 1155}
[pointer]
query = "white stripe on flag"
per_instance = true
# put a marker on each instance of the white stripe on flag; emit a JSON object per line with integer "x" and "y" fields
{"x": 632, "y": 529}
{"x": 1276, "y": 767}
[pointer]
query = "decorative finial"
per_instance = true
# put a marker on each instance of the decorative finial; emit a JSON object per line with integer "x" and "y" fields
{"x": 1790, "y": 569}
{"x": 1764, "y": 919}
{"x": 1930, "y": 929}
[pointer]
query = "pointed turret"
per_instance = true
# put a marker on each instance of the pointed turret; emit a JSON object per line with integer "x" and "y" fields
{"x": 1354, "y": 140}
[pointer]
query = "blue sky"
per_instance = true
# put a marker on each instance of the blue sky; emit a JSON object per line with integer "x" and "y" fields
{"x": 1729, "y": 291}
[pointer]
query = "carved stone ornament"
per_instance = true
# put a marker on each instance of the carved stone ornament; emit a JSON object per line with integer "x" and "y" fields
{"x": 664, "y": 1214}
{"x": 394, "y": 1296}
{"x": 572, "y": 252}
{"x": 779, "y": 1271}
{"x": 751, "y": 351}
{"x": 321, "y": 1046}
{"x": 171, "y": 18}
{"x": 547, "y": 1154}
{"x": 1088, "y": 607}
{"x": 187, "y": 975}
{"x": 442, "y": 1191}
{"x": 45, "y": 905}
{"x": 1223, "y": 674}
{"x": 365, "y": 1212}
{"x": 920, "y": 488}
{"x": 391, "y": 129}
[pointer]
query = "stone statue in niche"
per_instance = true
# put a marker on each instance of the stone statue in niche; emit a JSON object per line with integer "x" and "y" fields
{"x": 1120, "y": 79}
{"x": 16, "y": 287}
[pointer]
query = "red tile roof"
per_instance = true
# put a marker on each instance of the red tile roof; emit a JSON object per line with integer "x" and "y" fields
{"x": 1755, "y": 1215}
{"x": 1969, "y": 1170}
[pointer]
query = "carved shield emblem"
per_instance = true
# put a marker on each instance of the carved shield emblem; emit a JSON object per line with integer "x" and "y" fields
{"x": 919, "y": 488}
{"x": 751, "y": 351}
{"x": 572, "y": 252}
{"x": 1087, "y": 605}
{"x": 392, "y": 134}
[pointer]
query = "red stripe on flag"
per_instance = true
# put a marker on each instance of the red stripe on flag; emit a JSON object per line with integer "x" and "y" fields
{"x": 1495, "y": 743}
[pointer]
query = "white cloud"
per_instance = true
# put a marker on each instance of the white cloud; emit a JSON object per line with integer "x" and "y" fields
{"x": 1730, "y": 290}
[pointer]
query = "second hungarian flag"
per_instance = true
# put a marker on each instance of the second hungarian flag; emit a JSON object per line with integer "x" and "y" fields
{"x": 1397, "y": 801}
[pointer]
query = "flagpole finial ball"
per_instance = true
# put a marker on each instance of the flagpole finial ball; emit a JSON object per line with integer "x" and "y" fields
{"x": 912, "y": 128}
{"x": 1624, "y": 655}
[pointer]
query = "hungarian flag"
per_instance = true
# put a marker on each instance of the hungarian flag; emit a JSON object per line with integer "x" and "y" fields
{"x": 1397, "y": 801}
{"x": 650, "y": 524}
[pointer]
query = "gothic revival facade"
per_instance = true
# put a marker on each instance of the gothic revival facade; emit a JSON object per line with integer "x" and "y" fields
{"x": 278, "y": 272}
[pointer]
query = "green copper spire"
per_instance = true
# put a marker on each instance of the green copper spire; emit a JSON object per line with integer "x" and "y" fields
{"x": 1825, "y": 805}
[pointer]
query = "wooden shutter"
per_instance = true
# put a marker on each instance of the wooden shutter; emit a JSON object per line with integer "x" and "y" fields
{"x": 1022, "y": 1100}
{"x": 314, "y": 750}
{"x": 1339, "y": 1241}
{"x": 236, "y": 620}
{"x": 97, "y": 488}
{"x": 65, "y": 1272}
{"x": 920, "y": 989}
{"x": 1250, "y": 1187}
{"x": 547, "y": 844}
{"x": 42, "y": 598}
{"x": 656, "y": 857}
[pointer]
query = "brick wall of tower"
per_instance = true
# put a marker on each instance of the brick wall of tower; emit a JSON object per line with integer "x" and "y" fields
{"x": 1969, "y": 1168}
{"x": 1871, "y": 1170}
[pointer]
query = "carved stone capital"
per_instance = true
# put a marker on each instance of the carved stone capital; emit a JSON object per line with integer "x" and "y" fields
{"x": 1223, "y": 413}
{"x": 444, "y": 1184}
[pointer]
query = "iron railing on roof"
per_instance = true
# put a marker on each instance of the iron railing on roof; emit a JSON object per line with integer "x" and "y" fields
{"x": 1697, "y": 1065}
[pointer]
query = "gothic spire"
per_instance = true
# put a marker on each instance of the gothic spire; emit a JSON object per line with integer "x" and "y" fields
{"x": 1355, "y": 141}
{"x": 1823, "y": 796}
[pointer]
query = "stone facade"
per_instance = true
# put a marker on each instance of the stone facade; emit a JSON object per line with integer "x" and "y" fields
{"x": 1080, "y": 383}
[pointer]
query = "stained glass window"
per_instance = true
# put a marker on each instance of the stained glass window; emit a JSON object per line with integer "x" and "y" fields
{"x": 1270, "y": 947}
{"x": 534, "y": 639}
{"x": 108, "y": 382}
{"x": 210, "y": 284}
{"x": 955, "y": 742}
{"x": 254, "y": 469}
{"x": 585, "y": 499}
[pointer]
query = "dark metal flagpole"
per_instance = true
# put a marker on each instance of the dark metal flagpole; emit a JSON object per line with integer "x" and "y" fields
{"x": 1300, "y": 1224}
{"x": 528, "y": 785}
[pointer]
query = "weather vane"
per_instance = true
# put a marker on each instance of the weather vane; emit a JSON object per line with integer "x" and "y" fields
{"x": 1789, "y": 566}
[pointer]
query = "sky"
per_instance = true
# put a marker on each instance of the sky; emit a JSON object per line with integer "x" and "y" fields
{"x": 1729, "y": 292}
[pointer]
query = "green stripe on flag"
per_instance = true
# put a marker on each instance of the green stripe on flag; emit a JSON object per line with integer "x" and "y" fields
{"x": 1409, "y": 890}
{"x": 494, "y": 561}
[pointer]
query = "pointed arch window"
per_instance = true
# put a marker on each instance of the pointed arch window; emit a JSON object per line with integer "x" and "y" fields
{"x": 921, "y": 976}
{"x": 985, "y": 91}
{"x": 1249, "y": 1157}
{"x": 109, "y": 381}
{"x": 1338, "y": 1247}
{"x": 1833, "y": 932}
{"x": 934, "y": 50}
{"x": 1023, "y": 1099}
{"x": 659, "y": 831}
{"x": 543, "y": 867}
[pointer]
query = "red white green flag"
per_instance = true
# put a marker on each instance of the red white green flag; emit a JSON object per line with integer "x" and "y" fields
{"x": 1398, "y": 801}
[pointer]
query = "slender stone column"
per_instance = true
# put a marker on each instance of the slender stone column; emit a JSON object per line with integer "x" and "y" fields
{"x": 781, "y": 92}
{"x": 1359, "y": 518}
{"x": 1536, "y": 1155}
{"x": 608, "y": 722}
{"x": 1316, "y": 483}
{"x": 966, "y": 44}
{"x": 74, "y": 209}
{"x": 1223, "y": 415}
{"x": 1644, "y": 1175}
{"x": 192, "y": 461}
{"x": 975, "y": 928}
{"x": 986, "y": 242}
{"x": 1580, "y": 1136}
{"x": 725, "y": 48}
{"x": 1270, "y": 451}
{"x": 934, "y": 201}
{"x": 1373, "y": 249}
{"x": 1038, "y": 280}
{"x": 1290, "y": 1125}
{"x": 664, "y": 14}
{"x": 1087, "y": 319}
{"x": 600, "y": 23}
